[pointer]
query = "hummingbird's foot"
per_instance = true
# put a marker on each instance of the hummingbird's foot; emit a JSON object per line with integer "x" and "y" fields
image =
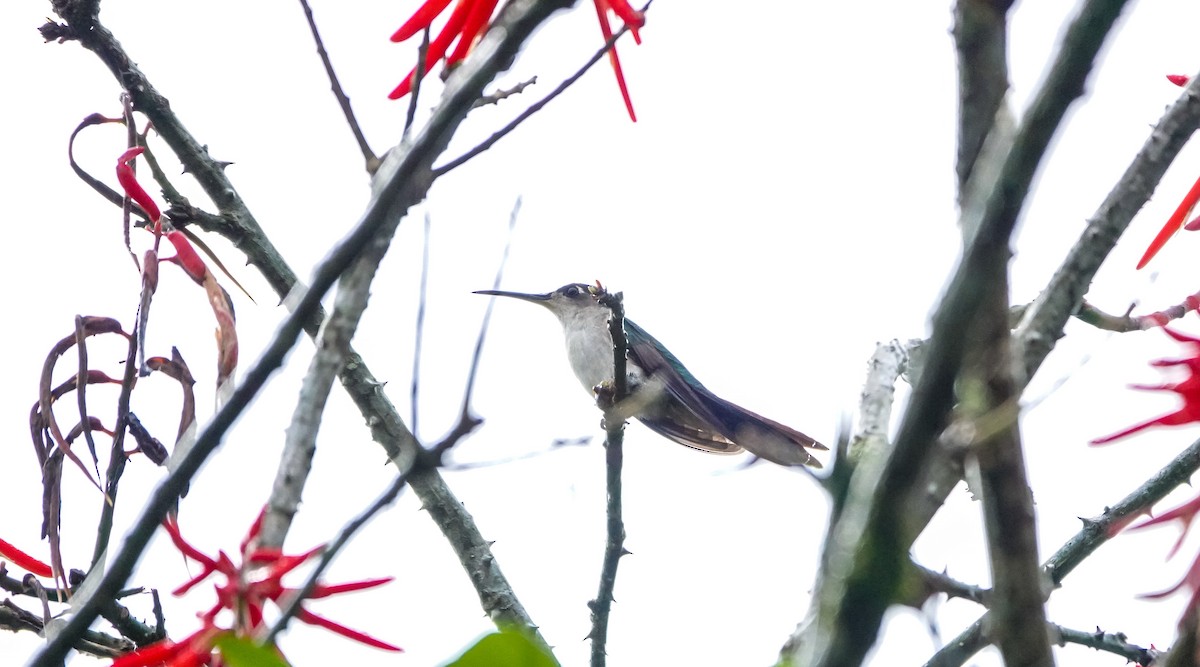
{"x": 606, "y": 400}
{"x": 606, "y": 395}
{"x": 642, "y": 396}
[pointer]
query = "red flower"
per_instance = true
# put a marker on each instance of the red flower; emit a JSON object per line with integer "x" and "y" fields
{"x": 133, "y": 189}
{"x": 1184, "y": 514}
{"x": 1173, "y": 224}
{"x": 469, "y": 20}
{"x": 245, "y": 591}
{"x": 194, "y": 651}
{"x": 633, "y": 19}
{"x": 1188, "y": 390}
{"x": 190, "y": 261}
{"x": 1181, "y": 212}
{"x": 24, "y": 560}
{"x": 467, "y": 23}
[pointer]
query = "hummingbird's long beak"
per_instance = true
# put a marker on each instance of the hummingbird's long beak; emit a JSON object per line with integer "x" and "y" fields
{"x": 536, "y": 298}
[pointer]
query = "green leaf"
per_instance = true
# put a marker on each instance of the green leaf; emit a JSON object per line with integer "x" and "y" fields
{"x": 242, "y": 652}
{"x": 510, "y": 647}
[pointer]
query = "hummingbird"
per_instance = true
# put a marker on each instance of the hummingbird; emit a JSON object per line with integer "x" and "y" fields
{"x": 666, "y": 397}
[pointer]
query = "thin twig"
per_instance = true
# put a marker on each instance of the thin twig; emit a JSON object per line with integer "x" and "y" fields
{"x": 1127, "y": 322}
{"x": 495, "y": 96}
{"x": 410, "y": 114}
{"x": 292, "y": 605}
{"x": 536, "y": 106}
{"x": 419, "y": 335}
{"x": 1109, "y": 642}
{"x": 614, "y": 543}
{"x": 466, "y": 421}
{"x": 487, "y": 313}
{"x": 940, "y": 582}
{"x": 343, "y": 100}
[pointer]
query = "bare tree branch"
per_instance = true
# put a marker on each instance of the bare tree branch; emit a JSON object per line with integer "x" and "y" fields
{"x": 1094, "y": 533}
{"x": 980, "y": 39}
{"x": 403, "y": 180}
{"x": 614, "y": 542}
{"x": 1043, "y": 323}
{"x": 862, "y": 561}
{"x": 369, "y": 158}
{"x": 1115, "y": 643}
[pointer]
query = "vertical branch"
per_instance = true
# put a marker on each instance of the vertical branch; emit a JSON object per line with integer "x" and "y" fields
{"x": 991, "y": 392}
{"x": 981, "y": 40}
{"x": 869, "y": 543}
{"x": 614, "y": 543}
{"x": 988, "y": 385}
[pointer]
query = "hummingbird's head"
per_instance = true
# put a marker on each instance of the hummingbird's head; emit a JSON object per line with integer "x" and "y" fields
{"x": 567, "y": 302}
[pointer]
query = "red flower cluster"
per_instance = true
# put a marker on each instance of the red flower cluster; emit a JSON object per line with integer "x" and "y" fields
{"x": 1188, "y": 390}
{"x": 245, "y": 591}
{"x": 189, "y": 260}
{"x": 469, "y": 20}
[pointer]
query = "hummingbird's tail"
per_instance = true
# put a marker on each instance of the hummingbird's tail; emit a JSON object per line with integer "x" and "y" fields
{"x": 693, "y": 416}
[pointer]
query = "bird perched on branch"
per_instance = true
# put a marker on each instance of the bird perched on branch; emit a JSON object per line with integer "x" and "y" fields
{"x": 663, "y": 394}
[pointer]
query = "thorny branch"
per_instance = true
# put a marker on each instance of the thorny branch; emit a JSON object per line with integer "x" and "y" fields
{"x": 861, "y": 565}
{"x": 1094, "y": 533}
{"x": 402, "y": 181}
{"x": 614, "y": 543}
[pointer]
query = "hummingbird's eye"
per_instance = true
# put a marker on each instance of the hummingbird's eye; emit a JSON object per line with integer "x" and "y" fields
{"x": 571, "y": 292}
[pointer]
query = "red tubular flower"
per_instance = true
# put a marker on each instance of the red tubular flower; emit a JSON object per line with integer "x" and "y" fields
{"x": 469, "y": 21}
{"x": 194, "y": 651}
{"x": 133, "y": 189}
{"x": 186, "y": 256}
{"x": 24, "y": 560}
{"x": 1188, "y": 390}
{"x": 1173, "y": 224}
{"x": 1184, "y": 514}
{"x": 245, "y": 591}
{"x": 466, "y": 24}
{"x": 634, "y": 20}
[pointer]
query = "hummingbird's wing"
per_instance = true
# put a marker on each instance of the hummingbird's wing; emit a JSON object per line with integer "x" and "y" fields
{"x": 674, "y": 423}
{"x": 694, "y": 416}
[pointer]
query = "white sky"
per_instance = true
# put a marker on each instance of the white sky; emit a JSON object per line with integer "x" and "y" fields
{"x": 784, "y": 202}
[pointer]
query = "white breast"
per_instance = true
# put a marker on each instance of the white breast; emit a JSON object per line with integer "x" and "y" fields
{"x": 589, "y": 346}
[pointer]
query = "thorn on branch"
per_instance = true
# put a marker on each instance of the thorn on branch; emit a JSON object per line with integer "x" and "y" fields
{"x": 495, "y": 97}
